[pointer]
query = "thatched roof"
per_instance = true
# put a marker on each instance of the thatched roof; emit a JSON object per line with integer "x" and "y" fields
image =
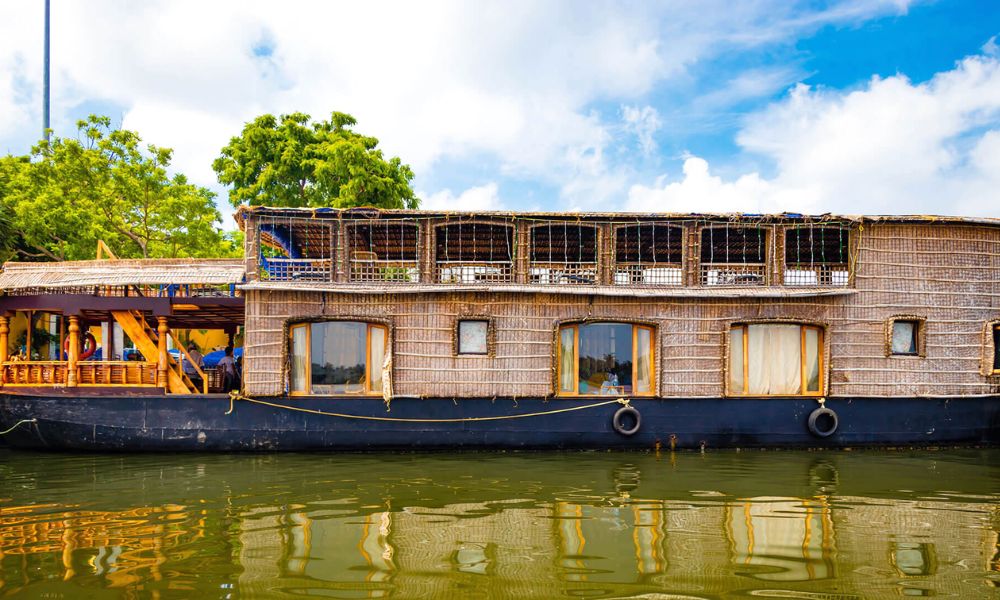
{"x": 367, "y": 288}
{"x": 73, "y": 274}
{"x": 363, "y": 213}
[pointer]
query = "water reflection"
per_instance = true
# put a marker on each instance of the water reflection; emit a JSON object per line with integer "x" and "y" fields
{"x": 714, "y": 525}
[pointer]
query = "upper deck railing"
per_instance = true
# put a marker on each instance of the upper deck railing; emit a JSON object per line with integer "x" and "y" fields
{"x": 371, "y": 248}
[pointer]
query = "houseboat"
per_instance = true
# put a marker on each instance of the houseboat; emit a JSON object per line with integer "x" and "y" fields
{"x": 365, "y": 328}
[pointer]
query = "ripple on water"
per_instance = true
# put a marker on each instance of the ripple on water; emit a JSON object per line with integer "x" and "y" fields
{"x": 870, "y": 524}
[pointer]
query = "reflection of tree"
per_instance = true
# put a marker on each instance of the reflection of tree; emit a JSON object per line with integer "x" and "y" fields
{"x": 591, "y": 366}
{"x": 331, "y": 374}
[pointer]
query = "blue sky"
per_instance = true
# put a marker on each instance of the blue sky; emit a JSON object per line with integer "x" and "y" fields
{"x": 757, "y": 106}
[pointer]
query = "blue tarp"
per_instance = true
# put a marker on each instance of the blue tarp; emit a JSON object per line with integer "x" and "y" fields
{"x": 212, "y": 358}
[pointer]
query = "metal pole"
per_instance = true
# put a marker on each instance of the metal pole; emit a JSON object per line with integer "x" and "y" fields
{"x": 45, "y": 79}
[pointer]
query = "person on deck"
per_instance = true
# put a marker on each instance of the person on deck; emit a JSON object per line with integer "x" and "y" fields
{"x": 230, "y": 374}
{"x": 189, "y": 365}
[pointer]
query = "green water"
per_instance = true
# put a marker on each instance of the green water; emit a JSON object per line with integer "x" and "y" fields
{"x": 810, "y": 525}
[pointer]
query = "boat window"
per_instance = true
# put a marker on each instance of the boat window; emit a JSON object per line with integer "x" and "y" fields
{"x": 384, "y": 250}
{"x": 649, "y": 254}
{"x": 563, "y": 253}
{"x": 474, "y": 253}
{"x": 473, "y": 336}
{"x": 606, "y": 359}
{"x": 775, "y": 359}
{"x": 733, "y": 255}
{"x": 816, "y": 255}
{"x": 337, "y": 357}
{"x": 296, "y": 249}
{"x": 904, "y": 339}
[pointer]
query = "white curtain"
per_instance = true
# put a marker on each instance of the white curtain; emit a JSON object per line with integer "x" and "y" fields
{"x": 566, "y": 360}
{"x": 643, "y": 383}
{"x": 378, "y": 357}
{"x": 903, "y": 340}
{"x": 300, "y": 353}
{"x": 812, "y": 359}
{"x": 775, "y": 359}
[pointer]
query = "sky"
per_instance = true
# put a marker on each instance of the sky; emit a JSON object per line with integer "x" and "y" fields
{"x": 758, "y": 106}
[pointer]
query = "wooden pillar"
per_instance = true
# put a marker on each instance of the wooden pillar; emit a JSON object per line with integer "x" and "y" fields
{"x": 251, "y": 247}
{"x": 342, "y": 260}
{"x": 4, "y": 330}
{"x": 428, "y": 247}
{"x": 27, "y": 341}
{"x": 605, "y": 253}
{"x": 161, "y": 369}
{"x": 693, "y": 255}
{"x": 522, "y": 264}
{"x": 73, "y": 356}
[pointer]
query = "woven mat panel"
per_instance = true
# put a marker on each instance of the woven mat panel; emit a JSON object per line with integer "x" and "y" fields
{"x": 945, "y": 274}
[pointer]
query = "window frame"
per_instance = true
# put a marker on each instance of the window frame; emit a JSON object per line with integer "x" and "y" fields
{"x": 489, "y": 337}
{"x": 765, "y": 266}
{"x": 615, "y": 264}
{"x": 575, "y": 327}
{"x": 990, "y": 350}
{"x": 803, "y": 326}
{"x": 919, "y": 334}
{"x": 439, "y": 230}
{"x": 787, "y": 265}
{"x": 307, "y": 325}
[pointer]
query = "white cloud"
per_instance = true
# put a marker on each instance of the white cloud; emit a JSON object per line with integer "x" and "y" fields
{"x": 484, "y": 197}
{"x": 643, "y": 123}
{"x": 891, "y": 147}
{"x": 700, "y": 191}
{"x": 513, "y": 81}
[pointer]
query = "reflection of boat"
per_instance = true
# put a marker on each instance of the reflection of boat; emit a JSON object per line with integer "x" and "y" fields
{"x": 384, "y": 329}
{"x": 530, "y": 525}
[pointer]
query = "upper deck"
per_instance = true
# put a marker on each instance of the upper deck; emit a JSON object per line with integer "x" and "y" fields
{"x": 364, "y": 250}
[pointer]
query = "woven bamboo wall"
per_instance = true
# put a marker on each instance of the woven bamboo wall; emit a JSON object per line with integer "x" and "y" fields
{"x": 947, "y": 274}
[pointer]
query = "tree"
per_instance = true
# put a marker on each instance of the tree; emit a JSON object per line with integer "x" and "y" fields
{"x": 292, "y": 162}
{"x": 103, "y": 185}
{"x": 11, "y": 170}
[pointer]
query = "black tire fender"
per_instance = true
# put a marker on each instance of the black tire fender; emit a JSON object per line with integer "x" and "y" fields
{"x": 617, "y": 420}
{"x": 814, "y": 422}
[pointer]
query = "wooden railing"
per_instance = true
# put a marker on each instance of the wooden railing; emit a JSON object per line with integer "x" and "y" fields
{"x": 35, "y": 372}
{"x": 52, "y": 373}
{"x": 130, "y": 373}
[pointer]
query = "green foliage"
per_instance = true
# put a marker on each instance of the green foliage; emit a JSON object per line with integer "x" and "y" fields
{"x": 292, "y": 162}
{"x": 12, "y": 170}
{"x": 104, "y": 185}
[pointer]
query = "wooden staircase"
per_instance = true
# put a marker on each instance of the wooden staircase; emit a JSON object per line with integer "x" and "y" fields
{"x": 146, "y": 340}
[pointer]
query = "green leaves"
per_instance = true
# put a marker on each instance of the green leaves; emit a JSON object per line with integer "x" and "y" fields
{"x": 105, "y": 185}
{"x": 290, "y": 162}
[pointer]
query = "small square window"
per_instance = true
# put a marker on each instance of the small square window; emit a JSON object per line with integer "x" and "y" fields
{"x": 472, "y": 337}
{"x": 904, "y": 337}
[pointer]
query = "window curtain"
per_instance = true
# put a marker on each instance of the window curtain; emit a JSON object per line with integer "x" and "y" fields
{"x": 903, "y": 339}
{"x": 643, "y": 384}
{"x": 775, "y": 359}
{"x": 299, "y": 357}
{"x": 377, "y": 358}
{"x": 566, "y": 360}
{"x": 812, "y": 359}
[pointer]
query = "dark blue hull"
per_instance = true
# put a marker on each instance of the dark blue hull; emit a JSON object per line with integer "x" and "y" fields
{"x": 201, "y": 423}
